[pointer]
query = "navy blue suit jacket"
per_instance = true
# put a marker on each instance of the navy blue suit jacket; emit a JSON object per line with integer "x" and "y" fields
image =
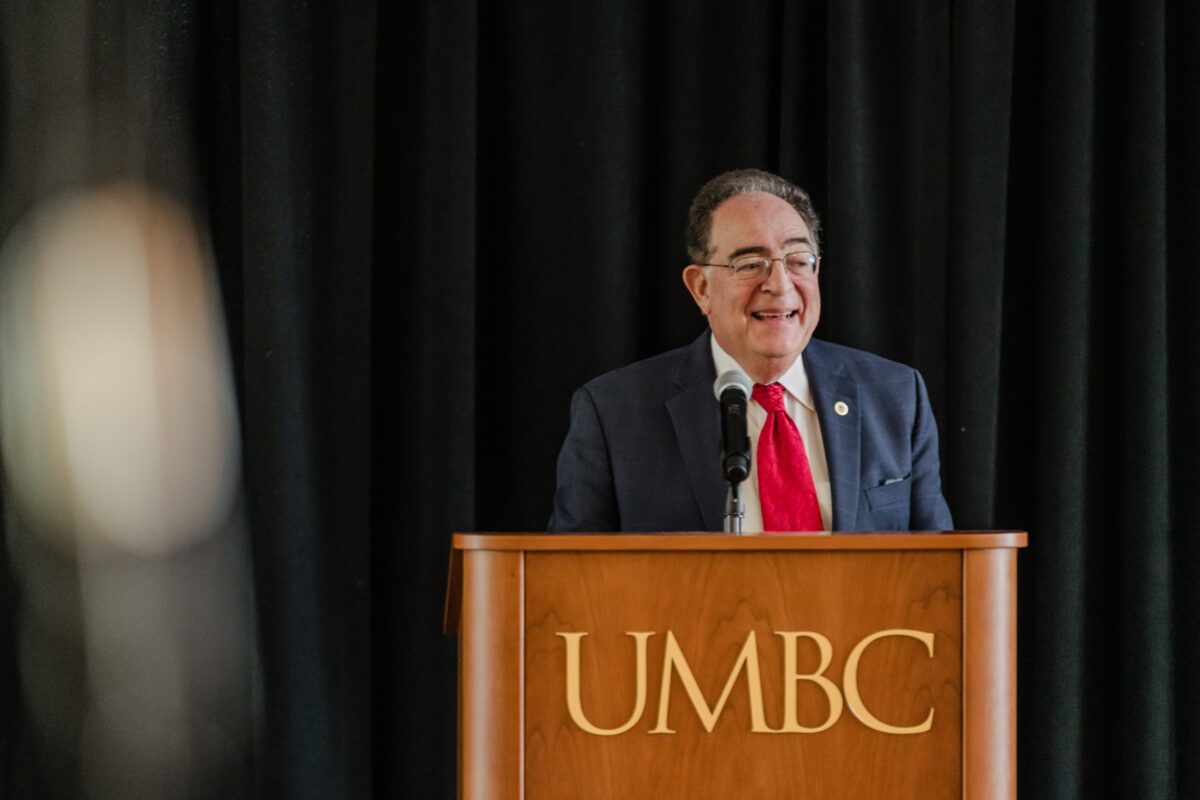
{"x": 643, "y": 449}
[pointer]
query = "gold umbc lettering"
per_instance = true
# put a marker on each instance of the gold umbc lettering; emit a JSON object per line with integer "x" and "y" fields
{"x": 791, "y": 678}
{"x": 674, "y": 662}
{"x": 574, "y": 699}
{"x": 850, "y": 682}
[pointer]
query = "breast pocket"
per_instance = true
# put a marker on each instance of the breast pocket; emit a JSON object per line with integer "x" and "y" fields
{"x": 888, "y": 505}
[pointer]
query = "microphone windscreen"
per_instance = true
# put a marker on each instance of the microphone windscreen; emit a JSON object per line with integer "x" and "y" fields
{"x": 733, "y": 379}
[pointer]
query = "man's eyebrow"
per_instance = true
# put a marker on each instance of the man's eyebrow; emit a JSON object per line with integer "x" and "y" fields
{"x": 758, "y": 248}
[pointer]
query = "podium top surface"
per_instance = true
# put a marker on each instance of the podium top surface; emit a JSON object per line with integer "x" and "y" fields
{"x": 463, "y": 543}
{"x": 888, "y": 540}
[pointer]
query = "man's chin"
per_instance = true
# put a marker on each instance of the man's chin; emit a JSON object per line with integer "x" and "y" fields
{"x": 768, "y": 366}
{"x": 785, "y": 350}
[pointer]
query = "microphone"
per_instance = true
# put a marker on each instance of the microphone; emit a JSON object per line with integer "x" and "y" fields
{"x": 733, "y": 389}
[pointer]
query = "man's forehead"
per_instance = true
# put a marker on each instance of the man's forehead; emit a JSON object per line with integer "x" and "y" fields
{"x": 757, "y": 221}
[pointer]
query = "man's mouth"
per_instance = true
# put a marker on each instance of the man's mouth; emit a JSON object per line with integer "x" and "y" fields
{"x": 773, "y": 314}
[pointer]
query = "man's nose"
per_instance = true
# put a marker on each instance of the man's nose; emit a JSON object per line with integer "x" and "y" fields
{"x": 777, "y": 281}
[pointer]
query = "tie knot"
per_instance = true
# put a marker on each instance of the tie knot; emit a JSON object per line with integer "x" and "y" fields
{"x": 770, "y": 397}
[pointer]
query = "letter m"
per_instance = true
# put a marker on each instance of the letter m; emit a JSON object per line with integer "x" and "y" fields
{"x": 673, "y": 661}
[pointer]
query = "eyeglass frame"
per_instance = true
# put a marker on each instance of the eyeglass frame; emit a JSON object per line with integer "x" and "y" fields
{"x": 815, "y": 263}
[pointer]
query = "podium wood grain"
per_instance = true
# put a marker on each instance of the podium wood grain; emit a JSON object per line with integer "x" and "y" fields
{"x": 519, "y": 592}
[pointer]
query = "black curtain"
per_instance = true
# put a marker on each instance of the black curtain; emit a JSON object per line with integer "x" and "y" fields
{"x": 433, "y": 221}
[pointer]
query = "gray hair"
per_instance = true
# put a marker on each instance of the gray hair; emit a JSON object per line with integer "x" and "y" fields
{"x": 731, "y": 184}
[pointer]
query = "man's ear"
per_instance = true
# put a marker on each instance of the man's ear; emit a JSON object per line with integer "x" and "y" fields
{"x": 696, "y": 280}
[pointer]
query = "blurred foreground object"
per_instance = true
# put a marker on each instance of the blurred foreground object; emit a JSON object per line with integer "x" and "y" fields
{"x": 118, "y": 429}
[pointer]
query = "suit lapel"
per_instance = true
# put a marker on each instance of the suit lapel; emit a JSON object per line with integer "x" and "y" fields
{"x": 697, "y": 424}
{"x": 841, "y": 432}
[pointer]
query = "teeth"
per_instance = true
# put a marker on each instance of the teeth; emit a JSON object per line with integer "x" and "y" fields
{"x": 772, "y": 315}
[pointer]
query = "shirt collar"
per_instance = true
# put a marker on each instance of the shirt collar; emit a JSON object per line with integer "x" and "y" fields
{"x": 794, "y": 381}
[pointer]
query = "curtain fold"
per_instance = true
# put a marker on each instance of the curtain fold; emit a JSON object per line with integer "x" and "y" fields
{"x": 1182, "y": 112}
{"x": 426, "y": 272}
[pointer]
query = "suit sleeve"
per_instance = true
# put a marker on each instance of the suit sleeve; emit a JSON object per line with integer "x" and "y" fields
{"x": 584, "y": 499}
{"x": 928, "y": 510}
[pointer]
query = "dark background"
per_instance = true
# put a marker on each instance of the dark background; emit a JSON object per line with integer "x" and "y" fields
{"x": 433, "y": 220}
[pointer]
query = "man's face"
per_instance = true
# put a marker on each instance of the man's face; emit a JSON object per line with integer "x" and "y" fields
{"x": 766, "y": 323}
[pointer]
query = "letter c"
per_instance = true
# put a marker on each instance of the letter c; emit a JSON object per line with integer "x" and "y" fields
{"x": 850, "y": 682}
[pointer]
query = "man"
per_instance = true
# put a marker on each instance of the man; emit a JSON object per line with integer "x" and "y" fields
{"x": 848, "y": 438}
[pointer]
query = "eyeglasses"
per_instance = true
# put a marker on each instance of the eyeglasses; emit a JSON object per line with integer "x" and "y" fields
{"x": 800, "y": 264}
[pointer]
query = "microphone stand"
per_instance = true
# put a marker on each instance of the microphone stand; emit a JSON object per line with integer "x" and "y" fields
{"x": 735, "y": 510}
{"x": 732, "y": 390}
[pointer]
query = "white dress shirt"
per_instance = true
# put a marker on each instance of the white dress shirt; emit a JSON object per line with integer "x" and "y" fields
{"x": 798, "y": 402}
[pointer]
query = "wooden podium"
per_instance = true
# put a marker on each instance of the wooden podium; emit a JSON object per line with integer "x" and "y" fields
{"x": 851, "y": 666}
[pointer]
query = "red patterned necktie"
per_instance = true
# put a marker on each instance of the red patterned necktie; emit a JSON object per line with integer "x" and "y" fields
{"x": 785, "y": 483}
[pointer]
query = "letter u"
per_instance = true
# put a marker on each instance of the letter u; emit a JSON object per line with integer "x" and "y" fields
{"x": 574, "y": 702}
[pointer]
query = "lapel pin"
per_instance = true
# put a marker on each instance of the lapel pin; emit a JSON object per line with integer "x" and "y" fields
{"x": 841, "y": 408}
